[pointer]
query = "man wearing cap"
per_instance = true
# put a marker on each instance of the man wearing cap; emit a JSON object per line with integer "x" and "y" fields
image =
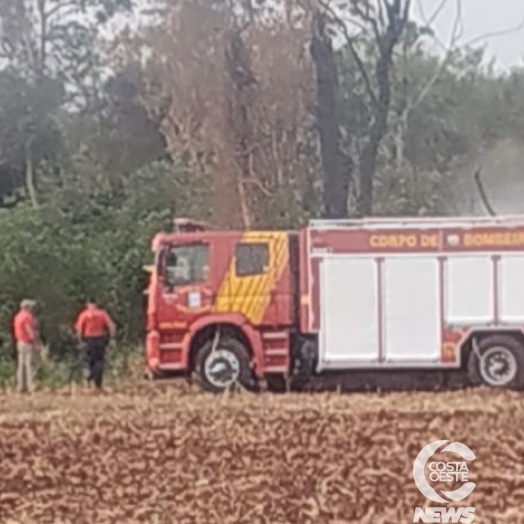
{"x": 24, "y": 331}
{"x": 92, "y": 326}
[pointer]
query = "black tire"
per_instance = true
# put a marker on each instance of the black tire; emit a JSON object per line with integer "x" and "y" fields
{"x": 505, "y": 351}
{"x": 227, "y": 348}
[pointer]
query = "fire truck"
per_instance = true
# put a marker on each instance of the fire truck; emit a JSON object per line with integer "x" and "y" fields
{"x": 373, "y": 294}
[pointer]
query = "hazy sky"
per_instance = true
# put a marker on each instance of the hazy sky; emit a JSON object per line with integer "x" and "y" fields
{"x": 479, "y": 18}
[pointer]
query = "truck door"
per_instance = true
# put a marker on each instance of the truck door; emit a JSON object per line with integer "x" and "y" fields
{"x": 186, "y": 289}
{"x": 257, "y": 286}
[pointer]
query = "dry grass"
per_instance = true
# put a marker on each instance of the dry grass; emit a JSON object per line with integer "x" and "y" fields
{"x": 160, "y": 453}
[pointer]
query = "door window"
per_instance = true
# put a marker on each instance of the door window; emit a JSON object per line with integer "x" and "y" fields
{"x": 187, "y": 265}
{"x": 251, "y": 258}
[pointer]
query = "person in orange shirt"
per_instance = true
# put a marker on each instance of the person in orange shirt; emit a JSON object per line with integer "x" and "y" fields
{"x": 24, "y": 331}
{"x": 92, "y": 327}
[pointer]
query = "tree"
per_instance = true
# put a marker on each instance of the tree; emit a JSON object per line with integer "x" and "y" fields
{"x": 379, "y": 28}
{"x": 28, "y": 133}
{"x": 231, "y": 85}
{"x": 116, "y": 126}
{"x": 336, "y": 166}
{"x": 410, "y": 91}
{"x": 54, "y": 38}
{"x": 86, "y": 240}
{"x": 47, "y": 51}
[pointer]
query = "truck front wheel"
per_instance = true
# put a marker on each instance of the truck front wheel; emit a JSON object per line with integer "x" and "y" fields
{"x": 221, "y": 368}
{"x": 498, "y": 362}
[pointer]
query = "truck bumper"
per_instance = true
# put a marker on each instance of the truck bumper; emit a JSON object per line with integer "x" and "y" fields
{"x": 153, "y": 350}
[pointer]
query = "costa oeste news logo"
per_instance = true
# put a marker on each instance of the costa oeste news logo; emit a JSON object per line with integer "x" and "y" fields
{"x": 440, "y": 472}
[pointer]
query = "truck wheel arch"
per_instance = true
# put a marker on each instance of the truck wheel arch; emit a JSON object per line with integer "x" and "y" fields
{"x": 476, "y": 335}
{"x": 205, "y": 329}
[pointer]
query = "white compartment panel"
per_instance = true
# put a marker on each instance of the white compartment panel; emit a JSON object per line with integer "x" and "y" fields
{"x": 511, "y": 289}
{"x": 469, "y": 290}
{"x": 411, "y": 309}
{"x": 349, "y": 310}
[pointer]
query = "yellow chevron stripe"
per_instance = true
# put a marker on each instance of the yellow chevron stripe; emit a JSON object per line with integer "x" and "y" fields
{"x": 224, "y": 302}
{"x": 250, "y": 295}
{"x": 242, "y": 288}
{"x": 260, "y": 283}
{"x": 260, "y": 299}
{"x": 250, "y": 291}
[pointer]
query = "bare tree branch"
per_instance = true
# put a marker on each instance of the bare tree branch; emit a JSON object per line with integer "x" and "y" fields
{"x": 255, "y": 181}
{"x": 370, "y": 19}
{"x": 59, "y": 7}
{"x": 407, "y": 104}
{"x": 486, "y": 36}
{"x": 496, "y": 34}
{"x": 458, "y": 26}
{"x": 483, "y": 194}
{"x": 63, "y": 15}
{"x": 438, "y": 73}
{"x": 429, "y": 21}
{"x": 365, "y": 29}
{"x": 42, "y": 58}
{"x": 397, "y": 18}
{"x": 353, "y": 50}
{"x": 405, "y": 14}
{"x": 381, "y": 17}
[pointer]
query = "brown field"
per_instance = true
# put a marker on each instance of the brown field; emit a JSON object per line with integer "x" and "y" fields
{"x": 161, "y": 453}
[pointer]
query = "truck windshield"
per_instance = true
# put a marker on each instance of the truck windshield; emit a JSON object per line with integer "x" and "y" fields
{"x": 186, "y": 264}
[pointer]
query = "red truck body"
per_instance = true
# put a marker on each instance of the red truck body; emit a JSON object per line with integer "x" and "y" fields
{"x": 339, "y": 295}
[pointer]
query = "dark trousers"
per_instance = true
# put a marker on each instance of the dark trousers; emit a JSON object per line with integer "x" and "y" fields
{"x": 95, "y": 356}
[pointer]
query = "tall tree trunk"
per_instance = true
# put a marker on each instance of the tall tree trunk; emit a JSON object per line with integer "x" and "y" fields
{"x": 401, "y": 129}
{"x": 368, "y": 165}
{"x": 336, "y": 167}
{"x": 244, "y": 205}
{"x": 242, "y": 82}
{"x": 29, "y": 173}
{"x": 42, "y": 55}
{"x": 368, "y": 157}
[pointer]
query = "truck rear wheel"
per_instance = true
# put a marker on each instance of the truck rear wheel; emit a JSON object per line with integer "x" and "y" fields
{"x": 498, "y": 363}
{"x": 224, "y": 367}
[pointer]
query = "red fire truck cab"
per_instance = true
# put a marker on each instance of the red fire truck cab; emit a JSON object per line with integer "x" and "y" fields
{"x": 373, "y": 294}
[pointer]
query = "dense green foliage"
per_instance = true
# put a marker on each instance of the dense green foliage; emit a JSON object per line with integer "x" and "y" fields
{"x": 86, "y": 239}
{"x": 102, "y": 144}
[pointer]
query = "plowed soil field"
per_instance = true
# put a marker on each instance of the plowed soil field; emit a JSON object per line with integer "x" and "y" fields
{"x": 162, "y": 453}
